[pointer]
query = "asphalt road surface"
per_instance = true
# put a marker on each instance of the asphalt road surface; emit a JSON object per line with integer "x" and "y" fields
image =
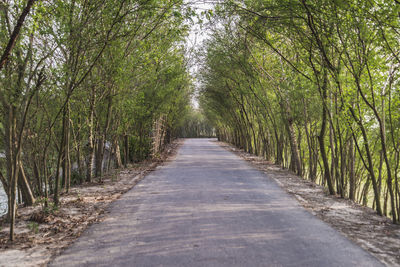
{"x": 210, "y": 208}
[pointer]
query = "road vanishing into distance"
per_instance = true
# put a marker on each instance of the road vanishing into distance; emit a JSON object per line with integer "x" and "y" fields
{"x": 208, "y": 207}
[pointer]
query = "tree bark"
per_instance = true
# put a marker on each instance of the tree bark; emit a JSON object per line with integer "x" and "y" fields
{"x": 352, "y": 181}
{"x": 24, "y": 185}
{"x": 126, "y": 150}
{"x": 90, "y": 145}
{"x": 321, "y": 138}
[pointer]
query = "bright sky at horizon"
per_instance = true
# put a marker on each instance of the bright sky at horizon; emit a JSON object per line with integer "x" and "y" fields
{"x": 196, "y": 37}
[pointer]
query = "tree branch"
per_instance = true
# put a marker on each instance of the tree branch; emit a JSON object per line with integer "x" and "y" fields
{"x": 15, "y": 33}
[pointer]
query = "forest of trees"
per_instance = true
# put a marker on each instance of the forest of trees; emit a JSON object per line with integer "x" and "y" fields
{"x": 82, "y": 78}
{"x": 311, "y": 85}
{"x": 196, "y": 125}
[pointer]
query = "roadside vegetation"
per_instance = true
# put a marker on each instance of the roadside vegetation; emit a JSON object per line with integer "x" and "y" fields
{"x": 196, "y": 125}
{"x": 85, "y": 87}
{"x": 312, "y": 86}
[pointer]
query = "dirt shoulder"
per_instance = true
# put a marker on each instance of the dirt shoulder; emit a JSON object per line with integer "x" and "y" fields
{"x": 40, "y": 236}
{"x": 360, "y": 224}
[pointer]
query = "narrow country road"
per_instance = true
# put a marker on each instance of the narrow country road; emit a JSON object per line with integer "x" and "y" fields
{"x": 210, "y": 208}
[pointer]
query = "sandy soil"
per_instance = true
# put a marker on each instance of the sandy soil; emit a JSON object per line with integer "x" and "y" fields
{"x": 40, "y": 236}
{"x": 360, "y": 224}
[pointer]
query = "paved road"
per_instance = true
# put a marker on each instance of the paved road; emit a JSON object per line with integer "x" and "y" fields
{"x": 210, "y": 208}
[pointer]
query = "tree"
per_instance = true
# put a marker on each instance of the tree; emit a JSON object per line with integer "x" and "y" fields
{"x": 320, "y": 76}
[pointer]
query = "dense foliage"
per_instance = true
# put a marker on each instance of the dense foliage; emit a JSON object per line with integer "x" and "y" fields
{"x": 313, "y": 86}
{"x": 195, "y": 125}
{"x": 82, "y": 86}
{"x": 90, "y": 85}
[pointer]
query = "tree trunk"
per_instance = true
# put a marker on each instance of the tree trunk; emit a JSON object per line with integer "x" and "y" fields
{"x": 321, "y": 138}
{"x": 90, "y": 145}
{"x": 279, "y": 148}
{"x": 23, "y": 184}
{"x": 99, "y": 157}
{"x": 118, "y": 161}
{"x": 370, "y": 166}
{"x": 12, "y": 159}
{"x": 365, "y": 192}
{"x": 352, "y": 181}
{"x": 59, "y": 161}
{"x": 294, "y": 148}
{"x": 38, "y": 177}
{"x": 67, "y": 158}
{"x": 46, "y": 179}
{"x": 126, "y": 150}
